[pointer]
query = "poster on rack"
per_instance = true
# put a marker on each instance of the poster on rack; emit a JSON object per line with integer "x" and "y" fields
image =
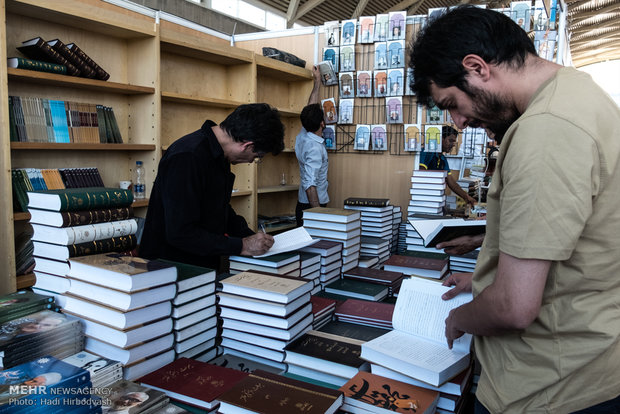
{"x": 362, "y": 137}
{"x": 432, "y": 138}
{"x": 395, "y": 82}
{"x": 346, "y": 85}
{"x": 396, "y": 54}
{"x": 379, "y": 137}
{"x": 381, "y": 57}
{"x": 332, "y": 54}
{"x": 394, "y": 110}
{"x": 347, "y": 58}
{"x": 397, "y": 25}
{"x": 329, "y": 111}
{"x": 329, "y": 137}
{"x": 381, "y": 27}
{"x": 366, "y": 29}
{"x": 348, "y": 32}
{"x": 346, "y": 111}
{"x": 380, "y": 83}
{"x": 412, "y": 141}
{"x": 332, "y": 33}
{"x": 364, "y": 84}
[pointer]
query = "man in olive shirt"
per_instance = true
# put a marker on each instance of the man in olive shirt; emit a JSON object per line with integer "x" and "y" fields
{"x": 546, "y": 308}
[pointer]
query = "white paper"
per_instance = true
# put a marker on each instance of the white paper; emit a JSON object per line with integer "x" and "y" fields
{"x": 289, "y": 240}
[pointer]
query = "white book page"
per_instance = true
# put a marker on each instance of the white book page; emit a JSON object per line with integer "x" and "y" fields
{"x": 421, "y": 311}
{"x": 289, "y": 240}
{"x": 426, "y": 227}
{"x": 410, "y": 348}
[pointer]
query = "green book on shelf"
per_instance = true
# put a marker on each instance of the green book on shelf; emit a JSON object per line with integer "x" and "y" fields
{"x": 70, "y": 199}
{"x": 38, "y": 65}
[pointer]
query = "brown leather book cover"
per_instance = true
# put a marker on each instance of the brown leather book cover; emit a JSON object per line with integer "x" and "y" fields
{"x": 267, "y": 393}
{"x": 367, "y": 274}
{"x": 372, "y": 391}
{"x": 85, "y": 70}
{"x": 416, "y": 262}
{"x": 38, "y": 49}
{"x": 366, "y": 309}
{"x": 100, "y": 73}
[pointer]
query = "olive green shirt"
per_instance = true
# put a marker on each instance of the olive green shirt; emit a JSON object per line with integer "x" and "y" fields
{"x": 555, "y": 196}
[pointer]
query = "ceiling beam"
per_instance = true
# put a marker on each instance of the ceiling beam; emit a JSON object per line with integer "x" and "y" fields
{"x": 361, "y": 5}
{"x": 403, "y": 5}
{"x": 583, "y": 16}
{"x": 414, "y": 7}
{"x": 586, "y": 4}
{"x": 291, "y": 12}
{"x": 595, "y": 46}
{"x": 595, "y": 35}
{"x": 585, "y": 29}
{"x": 309, "y": 5}
{"x": 578, "y": 62}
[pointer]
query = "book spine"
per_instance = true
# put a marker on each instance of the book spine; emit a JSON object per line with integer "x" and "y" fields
{"x": 115, "y": 244}
{"x": 99, "y": 72}
{"x": 42, "y": 51}
{"x": 38, "y": 65}
{"x": 85, "y": 70}
{"x": 365, "y": 203}
{"x": 93, "y": 198}
{"x": 79, "y": 218}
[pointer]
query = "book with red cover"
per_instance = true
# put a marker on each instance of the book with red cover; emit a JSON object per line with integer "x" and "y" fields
{"x": 421, "y": 266}
{"x": 321, "y": 306}
{"x": 383, "y": 277}
{"x": 193, "y": 382}
{"x": 324, "y": 247}
{"x": 377, "y": 394}
{"x": 375, "y": 313}
{"x": 267, "y": 393}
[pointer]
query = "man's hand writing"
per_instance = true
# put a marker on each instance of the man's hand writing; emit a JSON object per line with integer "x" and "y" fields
{"x": 256, "y": 244}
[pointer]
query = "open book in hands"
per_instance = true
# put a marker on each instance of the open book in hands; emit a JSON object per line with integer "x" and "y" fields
{"x": 417, "y": 347}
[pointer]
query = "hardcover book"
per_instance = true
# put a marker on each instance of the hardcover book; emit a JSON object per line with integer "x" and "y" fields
{"x": 417, "y": 346}
{"x": 130, "y": 398}
{"x": 38, "y": 65}
{"x": 324, "y": 247}
{"x": 357, "y": 289}
{"x": 273, "y": 288}
{"x": 71, "y": 199}
{"x": 437, "y": 231}
{"x": 38, "y": 49}
{"x": 347, "y": 85}
{"x": 332, "y": 33}
{"x": 377, "y": 394}
{"x": 379, "y": 276}
{"x": 330, "y": 214}
{"x": 22, "y": 302}
{"x": 125, "y": 273}
{"x": 364, "y": 84}
{"x": 362, "y": 137}
{"x": 266, "y": 393}
{"x": 85, "y": 233}
{"x": 352, "y": 330}
{"x": 420, "y": 266}
{"x": 99, "y": 72}
{"x": 85, "y": 69}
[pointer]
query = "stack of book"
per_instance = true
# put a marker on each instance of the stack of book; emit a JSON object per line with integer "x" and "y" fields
{"x": 357, "y": 289}
{"x": 366, "y": 393}
{"x": 198, "y": 384}
{"x": 103, "y": 371}
{"x": 310, "y": 268}
{"x": 336, "y": 225}
{"x": 322, "y": 311}
{"x": 329, "y": 358}
{"x": 193, "y": 310}
{"x": 331, "y": 259}
{"x": 37, "y": 179}
{"x": 38, "y": 334}
{"x": 403, "y": 234}
{"x": 414, "y": 240}
{"x": 287, "y": 263}
{"x": 75, "y": 222}
{"x": 363, "y": 312}
{"x": 362, "y": 332}
{"x": 42, "y": 383}
{"x": 239, "y": 363}
{"x": 419, "y": 335}
{"x": 262, "y": 313}
{"x": 377, "y": 225}
{"x": 465, "y": 262}
{"x": 21, "y": 303}
{"x": 278, "y": 394}
{"x": 470, "y": 185}
{"x": 391, "y": 280}
{"x": 397, "y": 218}
{"x": 428, "y": 192}
{"x": 124, "y": 305}
{"x": 414, "y": 263}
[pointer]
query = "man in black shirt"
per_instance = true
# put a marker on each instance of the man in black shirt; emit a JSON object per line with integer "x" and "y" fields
{"x": 189, "y": 218}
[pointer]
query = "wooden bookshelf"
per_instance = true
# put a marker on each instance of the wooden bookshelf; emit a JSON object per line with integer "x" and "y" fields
{"x": 196, "y": 100}
{"x": 277, "y": 189}
{"x": 26, "y": 281}
{"x": 80, "y": 147}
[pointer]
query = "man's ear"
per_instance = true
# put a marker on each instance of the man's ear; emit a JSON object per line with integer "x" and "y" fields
{"x": 477, "y": 67}
{"x": 249, "y": 145}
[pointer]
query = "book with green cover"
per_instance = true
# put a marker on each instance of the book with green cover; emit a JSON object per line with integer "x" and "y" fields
{"x": 22, "y": 302}
{"x": 357, "y": 289}
{"x": 38, "y": 65}
{"x": 70, "y": 199}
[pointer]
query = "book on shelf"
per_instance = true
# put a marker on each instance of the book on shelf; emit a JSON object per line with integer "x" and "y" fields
{"x": 85, "y": 70}
{"x": 124, "y": 273}
{"x": 38, "y": 65}
{"x": 433, "y": 267}
{"x": 58, "y": 252}
{"x": 79, "y": 218}
{"x": 336, "y": 215}
{"x": 357, "y": 289}
{"x": 80, "y": 198}
{"x": 437, "y": 231}
{"x": 417, "y": 346}
{"x": 367, "y": 202}
{"x": 327, "y": 73}
{"x": 99, "y": 72}
{"x": 38, "y": 49}
{"x": 194, "y": 382}
{"x": 371, "y": 393}
{"x": 251, "y": 395}
{"x": 83, "y": 234}
{"x": 275, "y": 288}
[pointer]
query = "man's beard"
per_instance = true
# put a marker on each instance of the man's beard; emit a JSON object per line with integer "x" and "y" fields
{"x": 498, "y": 110}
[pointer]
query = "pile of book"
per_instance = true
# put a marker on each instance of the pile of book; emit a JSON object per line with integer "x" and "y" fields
{"x": 262, "y": 313}
{"x": 413, "y": 239}
{"x": 310, "y": 268}
{"x": 64, "y": 59}
{"x": 76, "y": 222}
{"x": 38, "y": 334}
{"x": 391, "y": 280}
{"x": 103, "y": 371}
{"x": 124, "y": 303}
{"x": 470, "y": 185}
{"x": 322, "y": 311}
{"x": 194, "y": 311}
{"x": 24, "y": 260}
{"x": 331, "y": 260}
{"x": 366, "y": 313}
{"x": 287, "y": 263}
{"x": 34, "y": 119}
{"x": 428, "y": 188}
{"x": 36, "y": 179}
{"x": 377, "y": 218}
{"x": 351, "y": 288}
{"x": 339, "y": 225}
{"x": 397, "y": 218}
{"x": 425, "y": 264}
{"x": 464, "y": 262}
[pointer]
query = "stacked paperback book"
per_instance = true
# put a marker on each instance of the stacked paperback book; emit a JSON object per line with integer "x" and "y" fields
{"x": 331, "y": 260}
{"x": 103, "y": 371}
{"x": 336, "y": 225}
{"x": 377, "y": 219}
{"x": 428, "y": 188}
{"x": 76, "y": 222}
{"x": 193, "y": 310}
{"x": 262, "y": 313}
{"x": 391, "y": 280}
{"x": 124, "y": 303}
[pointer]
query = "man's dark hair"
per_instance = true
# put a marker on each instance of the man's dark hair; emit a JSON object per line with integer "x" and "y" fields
{"x": 437, "y": 54}
{"x": 258, "y": 123}
{"x": 311, "y": 117}
{"x": 447, "y": 130}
